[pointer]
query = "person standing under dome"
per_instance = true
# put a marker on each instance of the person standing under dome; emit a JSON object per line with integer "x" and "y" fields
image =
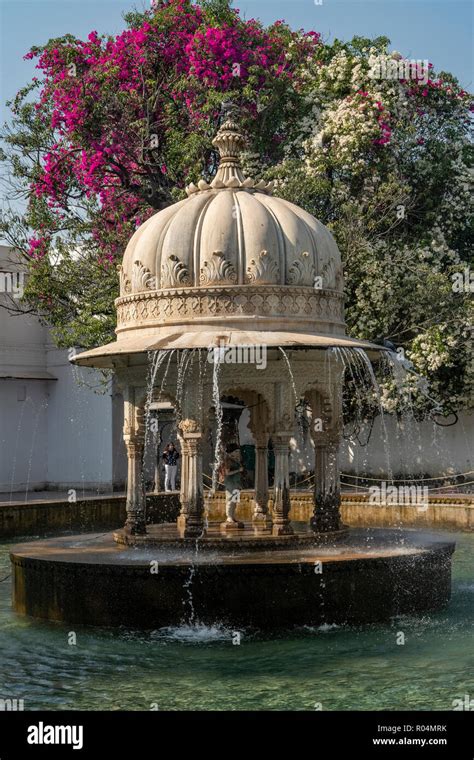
{"x": 170, "y": 460}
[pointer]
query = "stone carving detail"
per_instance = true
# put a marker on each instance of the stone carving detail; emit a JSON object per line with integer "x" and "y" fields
{"x": 301, "y": 271}
{"x": 263, "y": 269}
{"x": 142, "y": 278}
{"x": 192, "y": 302}
{"x": 332, "y": 277}
{"x": 189, "y": 426}
{"x": 218, "y": 270}
{"x": 284, "y": 423}
{"x": 125, "y": 284}
{"x": 174, "y": 273}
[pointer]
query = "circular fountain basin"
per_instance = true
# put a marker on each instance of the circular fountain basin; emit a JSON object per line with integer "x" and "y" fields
{"x": 369, "y": 575}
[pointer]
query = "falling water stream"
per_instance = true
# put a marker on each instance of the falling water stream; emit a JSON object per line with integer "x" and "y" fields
{"x": 370, "y": 370}
{"x": 290, "y": 373}
{"x": 218, "y": 411}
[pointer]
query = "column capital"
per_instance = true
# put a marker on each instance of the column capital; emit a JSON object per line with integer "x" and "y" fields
{"x": 134, "y": 445}
{"x": 190, "y": 429}
{"x": 281, "y": 440}
{"x": 326, "y": 439}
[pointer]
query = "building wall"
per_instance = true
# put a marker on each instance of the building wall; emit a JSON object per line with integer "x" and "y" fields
{"x": 419, "y": 449}
{"x": 23, "y": 434}
{"x": 79, "y": 426}
{"x": 60, "y": 427}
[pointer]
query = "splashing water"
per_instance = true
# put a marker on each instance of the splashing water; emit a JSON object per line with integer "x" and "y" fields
{"x": 405, "y": 423}
{"x": 190, "y": 618}
{"x": 368, "y": 365}
{"x": 290, "y": 372}
{"x": 43, "y": 406}
{"x": 184, "y": 358}
{"x": 155, "y": 360}
{"x": 216, "y": 397}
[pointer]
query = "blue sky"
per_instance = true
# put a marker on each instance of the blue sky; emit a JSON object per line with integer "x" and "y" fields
{"x": 439, "y": 30}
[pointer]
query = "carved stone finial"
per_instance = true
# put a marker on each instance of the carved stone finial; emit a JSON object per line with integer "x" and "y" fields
{"x": 229, "y": 141}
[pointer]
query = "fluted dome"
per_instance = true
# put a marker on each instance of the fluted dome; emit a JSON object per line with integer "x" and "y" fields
{"x": 238, "y": 234}
{"x": 229, "y": 262}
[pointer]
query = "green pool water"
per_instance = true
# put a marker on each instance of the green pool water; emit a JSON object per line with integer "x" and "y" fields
{"x": 201, "y": 668}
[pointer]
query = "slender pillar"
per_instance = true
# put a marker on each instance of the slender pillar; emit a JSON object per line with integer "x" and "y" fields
{"x": 191, "y": 518}
{"x": 261, "y": 514}
{"x": 327, "y": 495}
{"x": 281, "y": 504}
{"x": 259, "y": 426}
{"x": 157, "y": 477}
{"x": 184, "y": 475}
{"x": 134, "y": 438}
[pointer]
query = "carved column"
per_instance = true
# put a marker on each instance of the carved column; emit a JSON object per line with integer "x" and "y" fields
{"x": 183, "y": 492}
{"x": 191, "y": 519}
{"x": 282, "y": 432}
{"x": 327, "y": 495}
{"x": 261, "y": 514}
{"x": 259, "y": 426}
{"x": 325, "y": 431}
{"x": 134, "y": 438}
{"x": 281, "y": 504}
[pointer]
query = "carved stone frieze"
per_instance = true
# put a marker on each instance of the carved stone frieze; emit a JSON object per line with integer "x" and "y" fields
{"x": 185, "y": 304}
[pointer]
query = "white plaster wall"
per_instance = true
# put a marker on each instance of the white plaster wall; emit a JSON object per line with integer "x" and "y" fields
{"x": 55, "y": 431}
{"x": 416, "y": 449}
{"x": 119, "y": 454}
{"x": 23, "y": 399}
{"x": 424, "y": 448}
{"x": 80, "y": 423}
{"x": 23, "y": 435}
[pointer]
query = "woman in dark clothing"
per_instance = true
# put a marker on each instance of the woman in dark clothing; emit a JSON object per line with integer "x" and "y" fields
{"x": 170, "y": 459}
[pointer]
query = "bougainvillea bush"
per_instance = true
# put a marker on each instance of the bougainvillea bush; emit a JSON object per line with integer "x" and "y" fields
{"x": 113, "y": 128}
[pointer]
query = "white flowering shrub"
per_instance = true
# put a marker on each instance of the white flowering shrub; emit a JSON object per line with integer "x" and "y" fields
{"x": 386, "y": 163}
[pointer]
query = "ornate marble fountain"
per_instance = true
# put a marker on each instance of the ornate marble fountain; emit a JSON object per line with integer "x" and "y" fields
{"x": 232, "y": 267}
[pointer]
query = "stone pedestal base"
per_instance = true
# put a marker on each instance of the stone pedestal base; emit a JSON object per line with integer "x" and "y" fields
{"x": 135, "y": 527}
{"x": 282, "y": 529}
{"x": 189, "y": 528}
{"x": 262, "y": 522}
{"x": 231, "y": 527}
